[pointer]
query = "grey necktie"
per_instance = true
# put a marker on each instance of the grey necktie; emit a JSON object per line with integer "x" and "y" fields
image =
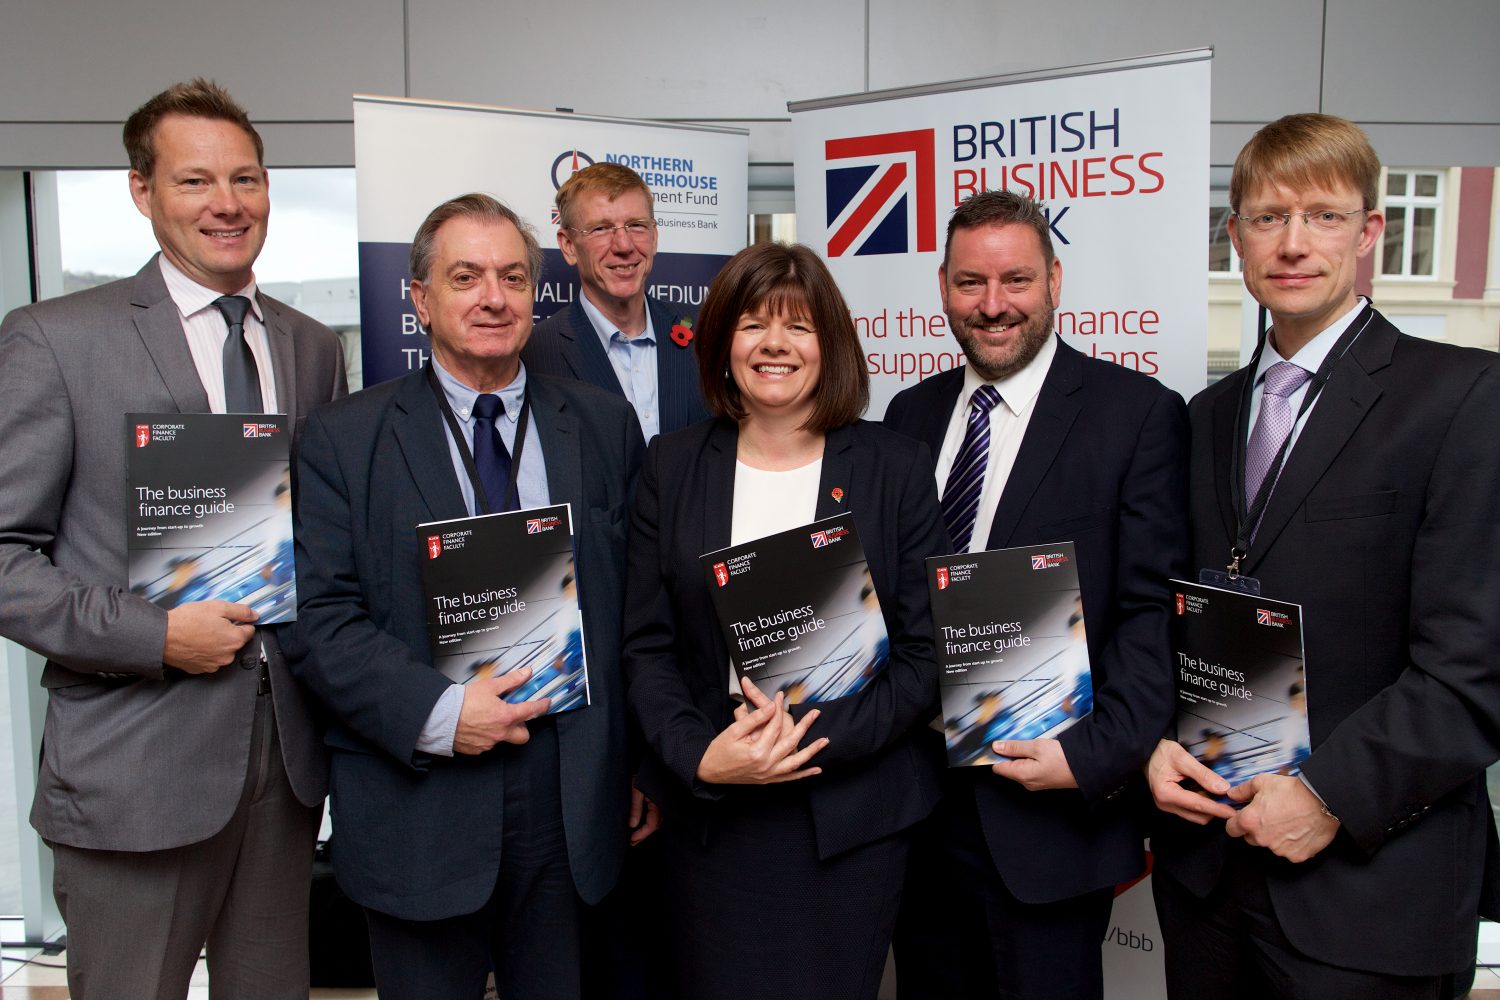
{"x": 241, "y": 375}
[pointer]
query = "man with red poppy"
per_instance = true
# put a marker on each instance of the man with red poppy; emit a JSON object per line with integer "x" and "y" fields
{"x": 614, "y": 335}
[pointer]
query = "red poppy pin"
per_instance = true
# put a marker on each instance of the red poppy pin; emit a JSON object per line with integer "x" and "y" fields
{"x": 682, "y": 332}
{"x": 838, "y": 494}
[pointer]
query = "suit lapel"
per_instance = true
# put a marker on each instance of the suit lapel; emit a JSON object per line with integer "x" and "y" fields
{"x": 1342, "y": 407}
{"x": 160, "y": 327}
{"x": 837, "y": 474}
{"x": 676, "y": 370}
{"x": 283, "y": 359}
{"x": 1226, "y": 425}
{"x": 718, "y": 485}
{"x": 585, "y": 354}
{"x": 418, "y": 426}
{"x": 1056, "y": 409}
{"x": 557, "y": 430}
{"x": 930, "y": 425}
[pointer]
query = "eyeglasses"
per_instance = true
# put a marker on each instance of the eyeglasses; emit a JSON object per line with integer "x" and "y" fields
{"x": 1322, "y": 220}
{"x": 636, "y": 229}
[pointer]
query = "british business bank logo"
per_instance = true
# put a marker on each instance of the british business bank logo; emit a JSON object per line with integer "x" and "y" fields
{"x": 883, "y": 198}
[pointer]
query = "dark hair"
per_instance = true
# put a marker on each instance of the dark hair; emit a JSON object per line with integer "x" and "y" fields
{"x": 783, "y": 279}
{"x": 1001, "y": 208}
{"x": 470, "y": 206}
{"x": 1304, "y": 151}
{"x": 198, "y": 98}
{"x": 613, "y": 179}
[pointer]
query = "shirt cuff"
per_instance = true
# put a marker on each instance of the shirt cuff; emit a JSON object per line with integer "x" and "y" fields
{"x": 442, "y": 724}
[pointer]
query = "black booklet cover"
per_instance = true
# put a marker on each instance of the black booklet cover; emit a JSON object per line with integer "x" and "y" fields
{"x": 208, "y": 510}
{"x": 1011, "y": 646}
{"x": 1241, "y": 686}
{"x": 501, "y": 594}
{"x": 799, "y": 611}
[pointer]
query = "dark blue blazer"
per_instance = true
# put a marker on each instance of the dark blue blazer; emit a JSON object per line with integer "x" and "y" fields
{"x": 1103, "y": 464}
{"x": 1384, "y": 527}
{"x": 878, "y": 778}
{"x": 419, "y": 835}
{"x": 567, "y": 345}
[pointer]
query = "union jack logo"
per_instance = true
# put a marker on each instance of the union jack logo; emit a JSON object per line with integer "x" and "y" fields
{"x": 251, "y": 430}
{"x": 1038, "y": 562}
{"x": 1262, "y": 616}
{"x": 889, "y": 187}
{"x": 819, "y": 539}
{"x": 533, "y": 525}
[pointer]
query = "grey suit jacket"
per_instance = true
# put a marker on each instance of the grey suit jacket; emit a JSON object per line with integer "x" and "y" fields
{"x": 136, "y": 756}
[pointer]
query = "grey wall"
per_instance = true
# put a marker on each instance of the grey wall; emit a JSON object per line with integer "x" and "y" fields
{"x": 1422, "y": 77}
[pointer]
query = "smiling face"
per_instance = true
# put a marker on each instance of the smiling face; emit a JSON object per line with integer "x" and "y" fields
{"x": 999, "y": 294}
{"x": 207, "y": 200}
{"x": 1304, "y": 277}
{"x": 776, "y": 362}
{"x": 613, "y": 271}
{"x": 476, "y": 301}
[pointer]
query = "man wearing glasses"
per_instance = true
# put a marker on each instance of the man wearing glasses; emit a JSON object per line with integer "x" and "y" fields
{"x": 1349, "y": 469}
{"x": 615, "y": 336}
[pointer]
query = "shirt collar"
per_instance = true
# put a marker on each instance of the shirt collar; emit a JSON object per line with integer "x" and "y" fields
{"x": 461, "y": 397}
{"x": 1019, "y": 389}
{"x": 1311, "y": 357}
{"x": 607, "y": 330}
{"x": 192, "y": 297}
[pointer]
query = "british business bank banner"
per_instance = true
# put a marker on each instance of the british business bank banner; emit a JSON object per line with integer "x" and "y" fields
{"x": 412, "y": 155}
{"x": 1117, "y": 151}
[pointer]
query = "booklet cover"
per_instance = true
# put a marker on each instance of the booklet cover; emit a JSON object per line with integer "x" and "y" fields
{"x": 1241, "y": 688}
{"x": 799, "y": 611}
{"x": 501, "y": 594}
{"x": 1011, "y": 647}
{"x": 208, "y": 510}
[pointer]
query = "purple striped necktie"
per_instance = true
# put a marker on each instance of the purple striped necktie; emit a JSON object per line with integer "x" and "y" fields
{"x": 966, "y": 478}
{"x": 1273, "y": 424}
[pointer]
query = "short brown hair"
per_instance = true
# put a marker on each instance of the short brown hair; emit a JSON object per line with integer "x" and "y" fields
{"x": 1001, "y": 208}
{"x": 1306, "y": 151}
{"x": 198, "y": 98}
{"x": 613, "y": 179}
{"x": 789, "y": 280}
{"x": 470, "y": 206}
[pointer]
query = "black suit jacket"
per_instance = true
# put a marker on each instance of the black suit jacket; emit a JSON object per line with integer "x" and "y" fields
{"x": 877, "y": 777}
{"x": 419, "y": 835}
{"x": 1384, "y": 527}
{"x": 566, "y": 345}
{"x": 1103, "y": 464}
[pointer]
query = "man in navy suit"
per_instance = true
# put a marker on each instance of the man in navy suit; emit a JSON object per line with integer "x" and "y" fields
{"x": 1363, "y": 875}
{"x": 615, "y": 336}
{"x": 1037, "y": 443}
{"x": 470, "y": 828}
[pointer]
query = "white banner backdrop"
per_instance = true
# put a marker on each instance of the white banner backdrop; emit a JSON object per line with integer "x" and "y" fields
{"x": 412, "y": 155}
{"x": 1118, "y": 151}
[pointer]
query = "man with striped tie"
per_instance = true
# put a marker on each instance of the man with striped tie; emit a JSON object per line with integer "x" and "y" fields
{"x": 1037, "y": 443}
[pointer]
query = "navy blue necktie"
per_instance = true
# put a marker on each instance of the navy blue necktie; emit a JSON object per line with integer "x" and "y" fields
{"x": 241, "y": 376}
{"x": 966, "y": 477}
{"x": 491, "y": 457}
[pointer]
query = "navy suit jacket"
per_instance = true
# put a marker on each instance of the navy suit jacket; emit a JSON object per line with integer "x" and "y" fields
{"x": 419, "y": 835}
{"x": 1103, "y": 464}
{"x": 878, "y": 778}
{"x": 1383, "y": 526}
{"x": 567, "y": 345}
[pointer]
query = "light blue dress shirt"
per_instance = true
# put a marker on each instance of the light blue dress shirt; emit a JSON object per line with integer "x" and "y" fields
{"x": 634, "y": 362}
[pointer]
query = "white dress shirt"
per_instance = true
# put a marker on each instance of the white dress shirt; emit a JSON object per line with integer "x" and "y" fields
{"x": 206, "y": 330}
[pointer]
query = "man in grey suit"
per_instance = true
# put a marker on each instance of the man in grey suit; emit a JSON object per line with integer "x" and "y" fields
{"x": 615, "y": 336}
{"x": 181, "y": 778}
{"x": 469, "y": 827}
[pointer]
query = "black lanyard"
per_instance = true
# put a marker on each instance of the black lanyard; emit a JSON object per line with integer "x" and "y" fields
{"x": 1248, "y": 520}
{"x": 481, "y": 502}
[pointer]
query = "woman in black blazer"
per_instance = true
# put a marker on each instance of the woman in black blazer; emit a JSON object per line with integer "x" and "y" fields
{"x": 785, "y": 824}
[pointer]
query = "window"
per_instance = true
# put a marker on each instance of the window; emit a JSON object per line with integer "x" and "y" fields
{"x": 1413, "y": 203}
{"x": 1221, "y": 256}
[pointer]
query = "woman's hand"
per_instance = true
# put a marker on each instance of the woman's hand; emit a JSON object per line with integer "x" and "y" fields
{"x": 761, "y": 746}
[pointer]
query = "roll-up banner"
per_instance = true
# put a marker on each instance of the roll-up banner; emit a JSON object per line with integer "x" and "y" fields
{"x": 412, "y": 155}
{"x": 1118, "y": 152}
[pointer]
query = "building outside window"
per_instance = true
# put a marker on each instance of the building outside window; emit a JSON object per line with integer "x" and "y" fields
{"x": 1413, "y": 208}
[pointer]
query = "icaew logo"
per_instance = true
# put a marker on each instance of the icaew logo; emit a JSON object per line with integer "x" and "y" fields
{"x": 721, "y": 573}
{"x": 434, "y": 546}
{"x": 942, "y": 577}
{"x": 142, "y": 435}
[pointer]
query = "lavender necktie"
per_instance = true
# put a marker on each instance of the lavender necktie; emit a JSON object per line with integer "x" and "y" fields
{"x": 966, "y": 478}
{"x": 1273, "y": 424}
